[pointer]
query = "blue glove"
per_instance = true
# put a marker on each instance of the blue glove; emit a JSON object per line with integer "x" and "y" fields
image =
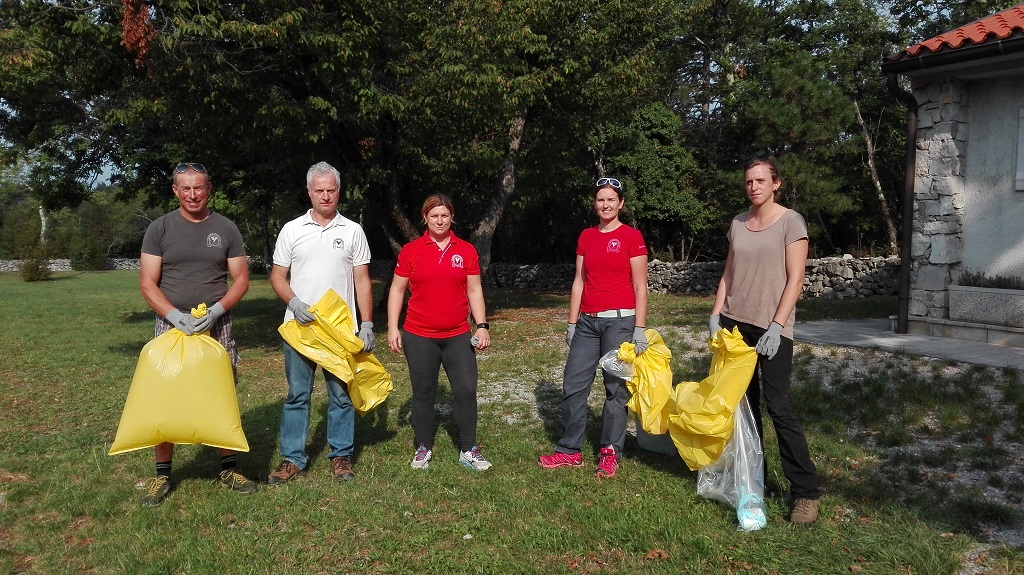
{"x": 768, "y": 345}
{"x": 640, "y": 339}
{"x": 570, "y": 330}
{"x": 183, "y": 321}
{"x": 366, "y": 334}
{"x": 714, "y": 325}
{"x": 300, "y": 310}
{"x": 213, "y": 313}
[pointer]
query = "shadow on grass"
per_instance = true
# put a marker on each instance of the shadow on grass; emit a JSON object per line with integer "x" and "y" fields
{"x": 261, "y": 425}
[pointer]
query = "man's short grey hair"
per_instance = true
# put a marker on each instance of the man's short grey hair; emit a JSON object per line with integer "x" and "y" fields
{"x": 320, "y": 169}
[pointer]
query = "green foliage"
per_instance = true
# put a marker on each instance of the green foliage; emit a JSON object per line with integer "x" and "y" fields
{"x": 980, "y": 279}
{"x": 35, "y": 264}
{"x": 513, "y": 108}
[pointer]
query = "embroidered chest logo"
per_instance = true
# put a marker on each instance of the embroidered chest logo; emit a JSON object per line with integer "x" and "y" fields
{"x": 339, "y": 244}
{"x": 614, "y": 246}
{"x": 213, "y": 241}
{"x": 457, "y": 261}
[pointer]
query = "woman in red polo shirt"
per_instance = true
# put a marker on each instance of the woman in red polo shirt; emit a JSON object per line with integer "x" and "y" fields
{"x": 442, "y": 274}
{"x": 608, "y": 306}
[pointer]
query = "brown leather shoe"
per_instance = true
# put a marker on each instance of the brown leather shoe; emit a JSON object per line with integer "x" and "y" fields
{"x": 286, "y": 471}
{"x": 805, "y": 511}
{"x": 341, "y": 468}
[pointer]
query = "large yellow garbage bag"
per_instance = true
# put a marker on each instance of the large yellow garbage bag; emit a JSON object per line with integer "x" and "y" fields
{"x": 332, "y": 343}
{"x": 183, "y": 391}
{"x": 701, "y": 418}
{"x": 651, "y": 384}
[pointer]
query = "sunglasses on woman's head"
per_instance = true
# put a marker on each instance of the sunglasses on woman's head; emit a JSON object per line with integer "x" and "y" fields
{"x": 608, "y": 182}
{"x": 184, "y": 166}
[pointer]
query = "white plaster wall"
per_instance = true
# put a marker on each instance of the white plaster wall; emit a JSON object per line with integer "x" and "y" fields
{"x": 993, "y": 211}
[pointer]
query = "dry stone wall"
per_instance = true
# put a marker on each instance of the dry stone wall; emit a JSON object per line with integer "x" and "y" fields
{"x": 827, "y": 277}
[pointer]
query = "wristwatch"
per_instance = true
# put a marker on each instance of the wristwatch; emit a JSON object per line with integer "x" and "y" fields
{"x": 484, "y": 325}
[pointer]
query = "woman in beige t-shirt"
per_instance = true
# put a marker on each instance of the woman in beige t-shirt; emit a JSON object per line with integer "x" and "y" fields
{"x": 764, "y": 276}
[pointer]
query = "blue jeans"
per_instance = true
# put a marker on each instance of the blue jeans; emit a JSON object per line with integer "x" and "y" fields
{"x": 341, "y": 416}
{"x": 593, "y": 338}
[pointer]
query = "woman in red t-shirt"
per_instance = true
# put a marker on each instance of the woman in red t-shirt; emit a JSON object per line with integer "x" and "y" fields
{"x": 608, "y": 306}
{"x": 442, "y": 274}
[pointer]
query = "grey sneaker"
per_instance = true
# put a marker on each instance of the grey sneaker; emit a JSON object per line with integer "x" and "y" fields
{"x": 421, "y": 459}
{"x": 235, "y": 481}
{"x": 157, "y": 489}
{"x": 474, "y": 460}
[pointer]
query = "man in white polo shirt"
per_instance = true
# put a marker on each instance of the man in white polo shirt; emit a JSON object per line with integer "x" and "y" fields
{"x": 320, "y": 250}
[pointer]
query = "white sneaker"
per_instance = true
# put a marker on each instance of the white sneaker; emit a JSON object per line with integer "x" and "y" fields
{"x": 421, "y": 460}
{"x": 472, "y": 458}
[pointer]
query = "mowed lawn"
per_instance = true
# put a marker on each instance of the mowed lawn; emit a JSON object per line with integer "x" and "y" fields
{"x": 68, "y": 349}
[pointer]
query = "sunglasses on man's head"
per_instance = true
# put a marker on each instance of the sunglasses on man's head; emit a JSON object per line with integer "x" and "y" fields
{"x": 608, "y": 182}
{"x": 184, "y": 166}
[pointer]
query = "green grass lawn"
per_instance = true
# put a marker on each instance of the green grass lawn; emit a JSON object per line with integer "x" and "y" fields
{"x": 70, "y": 345}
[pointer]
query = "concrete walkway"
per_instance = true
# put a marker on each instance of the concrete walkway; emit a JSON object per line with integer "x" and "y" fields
{"x": 877, "y": 333}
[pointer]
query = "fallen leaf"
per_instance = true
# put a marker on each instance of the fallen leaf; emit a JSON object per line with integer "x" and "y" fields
{"x": 660, "y": 554}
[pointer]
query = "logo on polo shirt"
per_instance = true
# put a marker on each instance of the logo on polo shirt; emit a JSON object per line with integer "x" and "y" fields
{"x": 456, "y": 261}
{"x": 339, "y": 244}
{"x": 614, "y": 246}
{"x": 213, "y": 241}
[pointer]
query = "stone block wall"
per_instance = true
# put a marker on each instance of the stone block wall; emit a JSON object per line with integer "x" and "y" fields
{"x": 827, "y": 277}
{"x": 939, "y": 196}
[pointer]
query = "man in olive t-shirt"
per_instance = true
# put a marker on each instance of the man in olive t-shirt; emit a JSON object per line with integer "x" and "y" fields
{"x": 186, "y": 258}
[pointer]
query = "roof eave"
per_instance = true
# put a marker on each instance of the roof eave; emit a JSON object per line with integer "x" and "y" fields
{"x": 929, "y": 60}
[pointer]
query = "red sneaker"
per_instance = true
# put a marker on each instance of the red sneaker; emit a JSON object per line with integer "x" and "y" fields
{"x": 557, "y": 459}
{"x": 607, "y": 463}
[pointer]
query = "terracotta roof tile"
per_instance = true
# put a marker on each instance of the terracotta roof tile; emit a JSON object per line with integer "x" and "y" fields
{"x": 998, "y": 26}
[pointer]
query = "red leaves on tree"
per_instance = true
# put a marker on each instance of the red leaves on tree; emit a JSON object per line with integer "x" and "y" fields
{"x": 138, "y": 30}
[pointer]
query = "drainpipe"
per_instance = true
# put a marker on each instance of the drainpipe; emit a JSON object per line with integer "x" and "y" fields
{"x": 908, "y": 100}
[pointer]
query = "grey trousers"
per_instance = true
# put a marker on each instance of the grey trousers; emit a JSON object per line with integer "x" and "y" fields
{"x": 594, "y": 337}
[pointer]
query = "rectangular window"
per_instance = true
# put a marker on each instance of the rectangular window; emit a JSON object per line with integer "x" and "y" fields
{"x": 1020, "y": 150}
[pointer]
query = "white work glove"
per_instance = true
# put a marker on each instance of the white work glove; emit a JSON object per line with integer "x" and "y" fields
{"x": 213, "y": 313}
{"x": 714, "y": 325}
{"x": 366, "y": 334}
{"x": 639, "y": 340}
{"x": 570, "y": 330}
{"x": 181, "y": 320}
{"x": 768, "y": 345}
{"x": 300, "y": 310}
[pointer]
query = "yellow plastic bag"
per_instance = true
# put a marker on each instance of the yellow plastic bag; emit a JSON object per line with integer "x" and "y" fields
{"x": 183, "y": 391}
{"x": 332, "y": 343}
{"x": 701, "y": 415}
{"x": 651, "y": 384}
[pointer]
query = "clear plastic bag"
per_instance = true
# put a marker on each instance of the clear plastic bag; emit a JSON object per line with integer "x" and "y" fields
{"x": 737, "y": 476}
{"x": 615, "y": 366}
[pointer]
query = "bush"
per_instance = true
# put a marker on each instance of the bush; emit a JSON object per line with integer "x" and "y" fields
{"x": 979, "y": 279}
{"x": 35, "y": 264}
{"x": 85, "y": 255}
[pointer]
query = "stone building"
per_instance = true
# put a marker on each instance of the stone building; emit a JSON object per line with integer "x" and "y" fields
{"x": 965, "y": 207}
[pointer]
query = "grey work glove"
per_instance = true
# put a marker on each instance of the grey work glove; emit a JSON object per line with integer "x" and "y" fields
{"x": 181, "y": 320}
{"x": 300, "y": 310}
{"x": 640, "y": 339}
{"x": 213, "y": 313}
{"x": 768, "y": 345}
{"x": 714, "y": 325}
{"x": 570, "y": 330}
{"x": 366, "y": 334}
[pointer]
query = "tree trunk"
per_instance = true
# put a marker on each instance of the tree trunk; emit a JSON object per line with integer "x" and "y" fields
{"x": 890, "y": 227}
{"x": 484, "y": 232}
{"x": 42, "y": 224}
